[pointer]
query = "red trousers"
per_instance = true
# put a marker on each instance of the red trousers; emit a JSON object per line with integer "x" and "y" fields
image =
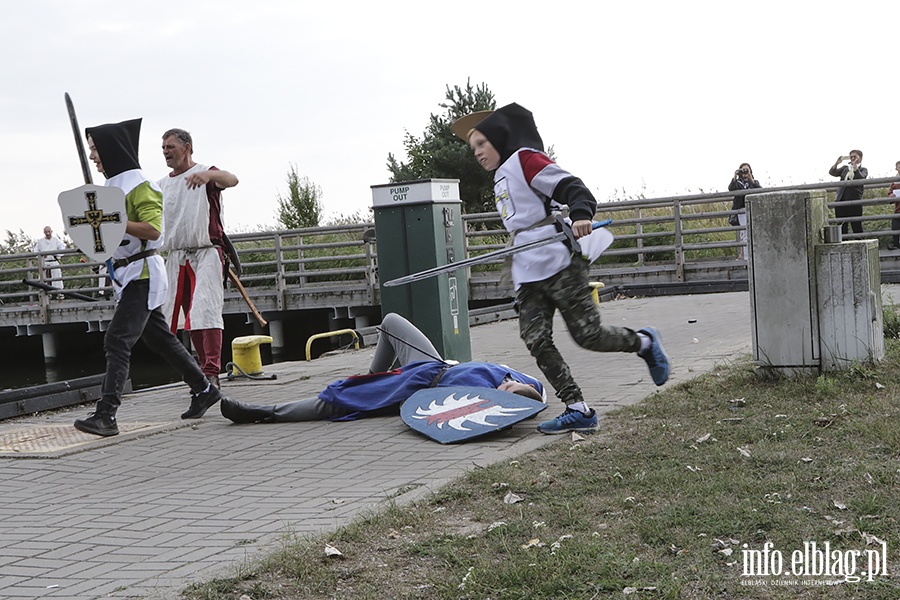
{"x": 208, "y": 344}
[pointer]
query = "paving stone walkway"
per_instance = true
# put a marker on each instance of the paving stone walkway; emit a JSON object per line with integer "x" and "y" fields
{"x": 145, "y": 514}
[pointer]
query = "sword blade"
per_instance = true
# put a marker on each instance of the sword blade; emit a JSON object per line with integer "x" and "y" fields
{"x": 477, "y": 260}
{"x": 79, "y": 145}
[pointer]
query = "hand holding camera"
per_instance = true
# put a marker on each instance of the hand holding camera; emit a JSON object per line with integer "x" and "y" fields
{"x": 744, "y": 171}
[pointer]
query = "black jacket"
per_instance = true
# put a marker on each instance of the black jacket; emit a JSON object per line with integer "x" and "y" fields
{"x": 851, "y": 192}
{"x": 738, "y": 184}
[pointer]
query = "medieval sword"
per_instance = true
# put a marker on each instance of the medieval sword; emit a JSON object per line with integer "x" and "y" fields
{"x": 477, "y": 260}
{"x": 82, "y": 156}
{"x": 94, "y": 216}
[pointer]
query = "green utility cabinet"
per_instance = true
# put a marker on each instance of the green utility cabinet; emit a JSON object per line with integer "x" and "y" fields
{"x": 418, "y": 226}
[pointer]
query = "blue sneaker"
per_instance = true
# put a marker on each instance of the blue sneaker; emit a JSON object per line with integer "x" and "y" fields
{"x": 570, "y": 420}
{"x": 655, "y": 356}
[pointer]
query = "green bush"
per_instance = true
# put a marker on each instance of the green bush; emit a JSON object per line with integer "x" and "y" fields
{"x": 891, "y": 321}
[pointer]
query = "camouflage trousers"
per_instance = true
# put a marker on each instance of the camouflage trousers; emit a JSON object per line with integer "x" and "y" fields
{"x": 568, "y": 292}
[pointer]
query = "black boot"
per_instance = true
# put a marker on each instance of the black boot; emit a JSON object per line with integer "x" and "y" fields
{"x": 247, "y": 413}
{"x": 201, "y": 402}
{"x": 100, "y": 422}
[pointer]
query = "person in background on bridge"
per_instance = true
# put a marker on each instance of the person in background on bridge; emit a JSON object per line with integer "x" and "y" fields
{"x": 51, "y": 243}
{"x": 894, "y": 192}
{"x": 138, "y": 280}
{"x": 852, "y": 170}
{"x": 195, "y": 238}
{"x": 743, "y": 179}
{"x": 528, "y": 184}
{"x": 382, "y": 390}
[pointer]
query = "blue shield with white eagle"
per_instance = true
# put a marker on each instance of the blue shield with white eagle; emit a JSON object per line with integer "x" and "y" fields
{"x": 456, "y": 414}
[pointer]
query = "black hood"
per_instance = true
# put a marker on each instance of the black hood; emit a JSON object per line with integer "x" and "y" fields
{"x": 508, "y": 129}
{"x": 117, "y": 144}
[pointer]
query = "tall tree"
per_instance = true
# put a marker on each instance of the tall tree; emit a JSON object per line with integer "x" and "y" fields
{"x": 17, "y": 243}
{"x": 440, "y": 154}
{"x": 303, "y": 206}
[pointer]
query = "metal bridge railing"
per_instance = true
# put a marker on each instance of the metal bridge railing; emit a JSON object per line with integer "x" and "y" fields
{"x": 674, "y": 239}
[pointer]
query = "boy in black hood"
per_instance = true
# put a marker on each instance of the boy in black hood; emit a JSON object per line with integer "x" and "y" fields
{"x": 530, "y": 190}
{"x": 139, "y": 280}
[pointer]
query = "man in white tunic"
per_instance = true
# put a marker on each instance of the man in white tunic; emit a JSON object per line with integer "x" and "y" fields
{"x": 194, "y": 238}
{"x": 51, "y": 243}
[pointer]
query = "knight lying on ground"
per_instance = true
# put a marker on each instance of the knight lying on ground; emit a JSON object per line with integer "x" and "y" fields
{"x": 384, "y": 388}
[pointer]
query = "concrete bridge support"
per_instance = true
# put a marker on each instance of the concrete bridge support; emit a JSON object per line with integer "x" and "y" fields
{"x": 48, "y": 340}
{"x": 276, "y": 332}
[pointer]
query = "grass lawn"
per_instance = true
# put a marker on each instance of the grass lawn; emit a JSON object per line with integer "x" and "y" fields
{"x": 671, "y": 499}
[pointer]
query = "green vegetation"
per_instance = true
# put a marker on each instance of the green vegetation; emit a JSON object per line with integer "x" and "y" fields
{"x": 440, "y": 154}
{"x": 652, "y": 230}
{"x": 16, "y": 243}
{"x": 302, "y": 207}
{"x": 661, "y": 504}
{"x": 306, "y": 256}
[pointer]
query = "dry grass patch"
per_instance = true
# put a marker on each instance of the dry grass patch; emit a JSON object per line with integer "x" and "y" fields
{"x": 661, "y": 504}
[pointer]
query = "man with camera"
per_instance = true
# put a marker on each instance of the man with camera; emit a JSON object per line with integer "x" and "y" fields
{"x": 742, "y": 180}
{"x": 852, "y": 170}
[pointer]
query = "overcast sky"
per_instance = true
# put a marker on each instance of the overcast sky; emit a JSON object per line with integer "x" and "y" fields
{"x": 657, "y": 97}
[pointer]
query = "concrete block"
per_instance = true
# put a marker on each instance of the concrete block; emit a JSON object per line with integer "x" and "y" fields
{"x": 851, "y": 322}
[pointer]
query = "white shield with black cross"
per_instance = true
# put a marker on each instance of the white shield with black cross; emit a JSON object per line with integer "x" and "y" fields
{"x": 94, "y": 217}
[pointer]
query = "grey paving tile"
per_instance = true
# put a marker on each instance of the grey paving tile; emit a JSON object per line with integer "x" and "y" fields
{"x": 145, "y": 517}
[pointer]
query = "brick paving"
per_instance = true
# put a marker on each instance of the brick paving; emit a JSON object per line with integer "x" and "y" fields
{"x": 146, "y": 516}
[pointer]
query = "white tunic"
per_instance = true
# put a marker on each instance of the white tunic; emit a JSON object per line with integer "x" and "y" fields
{"x": 45, "y": 245}
{"x": 51, "y": 262}
{"x": 127, "y": 182}
{"x": 186, "y": 217}
{"x": 524, "y": 200}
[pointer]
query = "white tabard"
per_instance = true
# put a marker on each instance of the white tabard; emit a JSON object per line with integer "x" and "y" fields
{"x": 186, "y": 216}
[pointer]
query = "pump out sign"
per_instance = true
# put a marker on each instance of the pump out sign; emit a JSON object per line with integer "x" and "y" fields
{"x": 399, "y": 194}
{"x": 425, "y": 191}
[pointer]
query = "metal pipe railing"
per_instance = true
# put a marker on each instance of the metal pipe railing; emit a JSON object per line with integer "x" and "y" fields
{"x": 665, "y": 233}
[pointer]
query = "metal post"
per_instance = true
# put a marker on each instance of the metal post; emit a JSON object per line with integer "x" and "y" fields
{"x": 639, "y": 231}
{"x": 280, "y": 283}
{"x": 679, "y": 241}
{"x": 301, "y": 266}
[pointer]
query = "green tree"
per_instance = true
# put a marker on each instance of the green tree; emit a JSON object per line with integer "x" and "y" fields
{"x": 17, "y": 243}
{"x": 440, "y": 154}
{"x": 303, "y": 206}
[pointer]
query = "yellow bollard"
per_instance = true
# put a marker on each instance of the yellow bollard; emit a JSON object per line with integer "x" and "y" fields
{"x": 245, "y": 354}
{"x": 596, "y": 286}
